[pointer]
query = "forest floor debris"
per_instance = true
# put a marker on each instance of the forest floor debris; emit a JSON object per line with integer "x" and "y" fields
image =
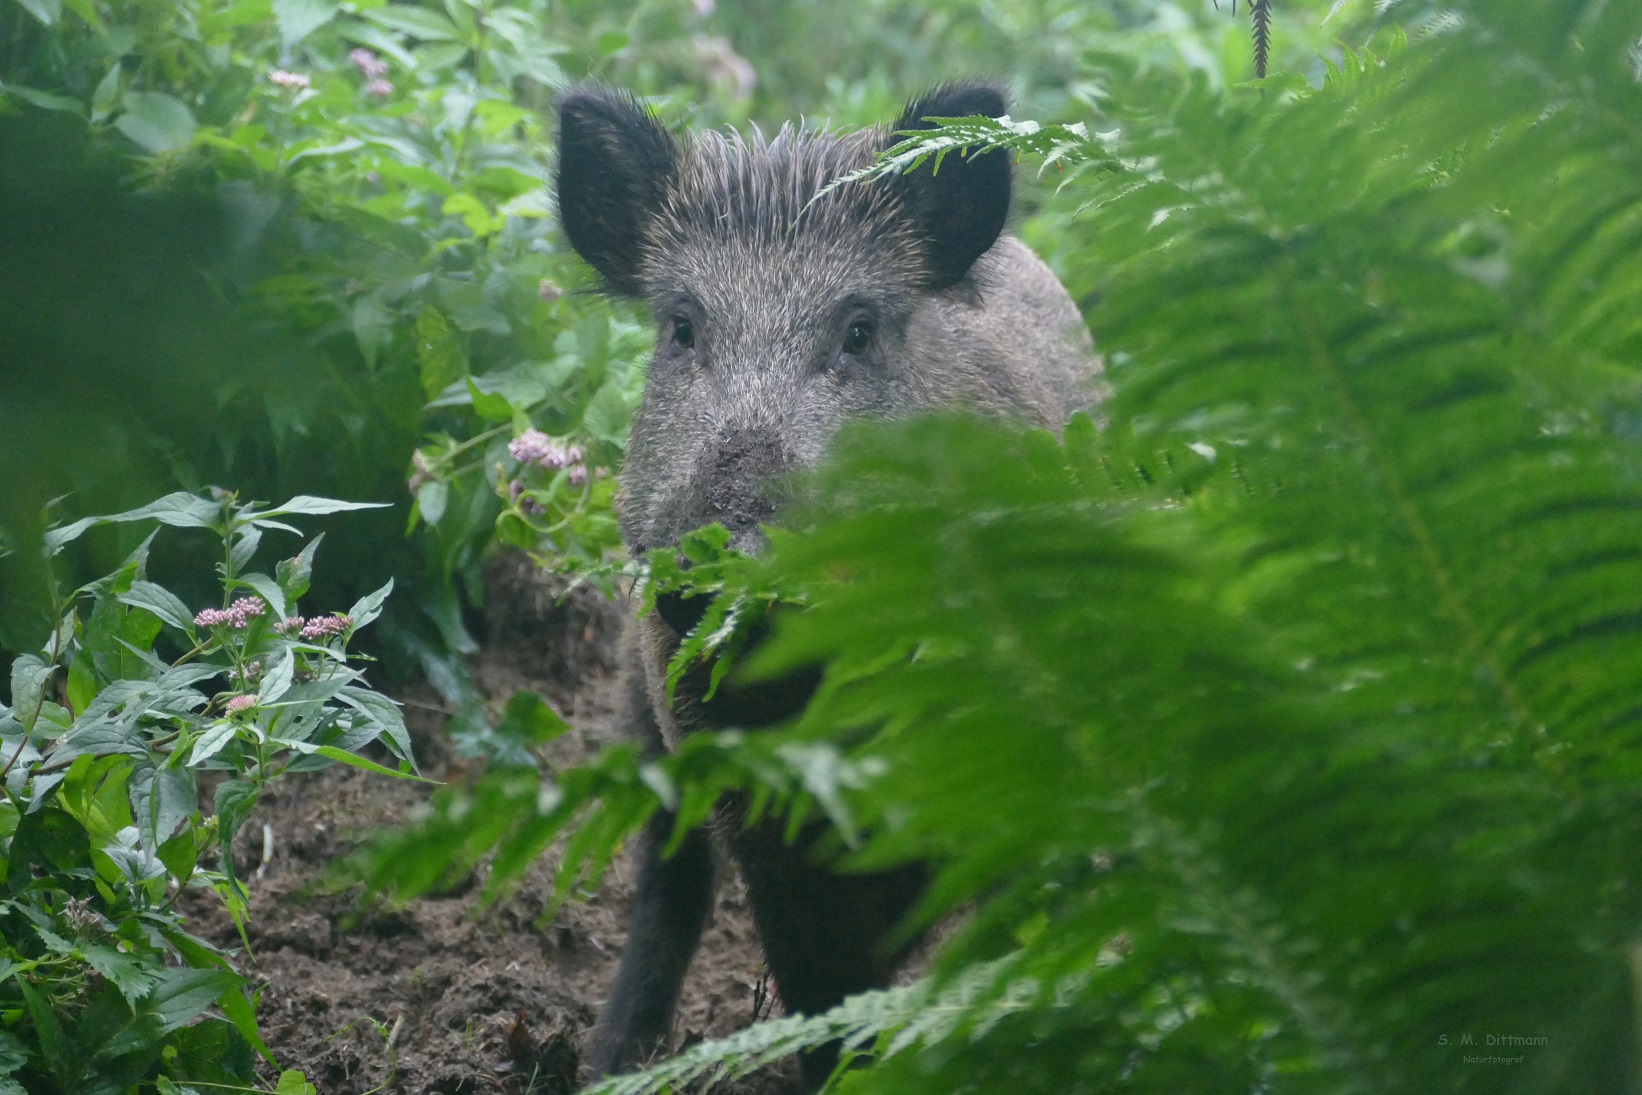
{"x": 434, "y": 998}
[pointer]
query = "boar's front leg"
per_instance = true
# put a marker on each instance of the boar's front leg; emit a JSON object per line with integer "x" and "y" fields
{"x": 669, "y": 912}
{"x": 827, "y": 935}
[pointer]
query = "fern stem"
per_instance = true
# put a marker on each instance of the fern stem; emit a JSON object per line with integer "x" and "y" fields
{"x": 1260, "y": 11}
{"x": 1257, "y": 946}
{"x": 1452, "y": 603}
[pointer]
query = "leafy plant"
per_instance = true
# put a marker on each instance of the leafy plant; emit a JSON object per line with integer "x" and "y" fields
{"x": 361, "y": 193}
{"x": 1280, "y": 734}
{"x": 101, "y": 824}
{"x": 349, "y": 275}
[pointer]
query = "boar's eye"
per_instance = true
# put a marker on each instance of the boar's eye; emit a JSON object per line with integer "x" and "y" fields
{"x": 684, "y": 333}
{"x": 858, "y": 337}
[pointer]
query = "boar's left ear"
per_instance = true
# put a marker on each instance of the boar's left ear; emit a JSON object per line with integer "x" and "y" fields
{"x": 959, "y": 210}
{"x": 616, "y": 162}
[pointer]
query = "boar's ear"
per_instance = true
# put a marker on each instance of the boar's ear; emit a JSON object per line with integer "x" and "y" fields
{"x": 616, "y": 161}
{"x": 959, "y": 210}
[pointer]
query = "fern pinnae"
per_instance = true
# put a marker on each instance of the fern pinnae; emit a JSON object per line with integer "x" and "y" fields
{"x": 1260, "y": 13}
{"x": 1259, "y": 948}
{"x": 921, "y": 1014}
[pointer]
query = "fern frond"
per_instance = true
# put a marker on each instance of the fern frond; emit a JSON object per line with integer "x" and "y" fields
{"x": 920, "y": 1014}
{"x": 1058, "y": 146}
{"x": 1260, "y": 14}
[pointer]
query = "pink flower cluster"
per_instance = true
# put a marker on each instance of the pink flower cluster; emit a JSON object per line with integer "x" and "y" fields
{"x": 535, "y": 447}
{"x": 237, "y": 615}
{"x": 375, "y": 71}
{"x": 241, "y": 703}
{"x": 314, "y": 628}
{"x": 290, "y": 81}
{"x": 369, "y": 64}
{"x": 423, "y": 473}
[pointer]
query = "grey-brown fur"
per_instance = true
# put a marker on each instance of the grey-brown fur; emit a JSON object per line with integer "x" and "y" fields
{"x": 780, "y": 317}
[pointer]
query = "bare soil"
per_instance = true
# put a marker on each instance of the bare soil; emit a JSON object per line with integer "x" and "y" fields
{"x": 438, "y": 996}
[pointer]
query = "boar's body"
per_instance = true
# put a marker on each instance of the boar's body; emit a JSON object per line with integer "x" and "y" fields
{"x": 782, "y": 315}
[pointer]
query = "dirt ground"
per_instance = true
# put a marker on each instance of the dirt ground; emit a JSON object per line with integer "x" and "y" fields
{"x": 433, "y": 997}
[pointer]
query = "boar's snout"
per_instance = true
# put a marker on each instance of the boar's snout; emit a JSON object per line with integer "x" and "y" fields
{"x": 740, "y": 485}
{"x": 743, "y": 482}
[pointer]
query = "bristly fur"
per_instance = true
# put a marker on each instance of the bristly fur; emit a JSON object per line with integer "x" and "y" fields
{"x": 731, "y": 187}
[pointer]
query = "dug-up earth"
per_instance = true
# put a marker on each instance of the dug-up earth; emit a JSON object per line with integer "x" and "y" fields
{"x": 439, "y": 996}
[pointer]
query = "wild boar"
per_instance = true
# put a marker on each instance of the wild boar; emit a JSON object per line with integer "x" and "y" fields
{"x": 781, "y": 316}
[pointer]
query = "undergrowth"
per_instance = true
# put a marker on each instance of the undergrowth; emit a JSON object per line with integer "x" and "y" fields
{"x": 103, "y": 747}
{"x": 1282, "y": 733}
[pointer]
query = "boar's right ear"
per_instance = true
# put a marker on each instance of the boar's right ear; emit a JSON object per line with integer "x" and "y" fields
{"x": 960, "y": 209}
{"x": 616, "y": 161}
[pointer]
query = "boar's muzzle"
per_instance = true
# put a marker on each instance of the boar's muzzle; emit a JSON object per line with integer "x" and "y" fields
{"x": 743, "y": 482}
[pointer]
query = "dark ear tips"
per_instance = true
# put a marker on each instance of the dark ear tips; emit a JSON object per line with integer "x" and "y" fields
{"x": 960, "y": 210}
{"x": 963, "y": 99}
{"x": 616, "y": 161}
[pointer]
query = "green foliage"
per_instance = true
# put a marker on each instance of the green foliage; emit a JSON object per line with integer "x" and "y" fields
{"x": 914, "y": 1010}
{"x": 1057, "y": 146}
{"x": 361, "y": 247}
{"x": 1275, "y": 733}
{"x": 316, "y": 242}
{"x": 102, "y": 827}
{"x": 1280, "y": 734}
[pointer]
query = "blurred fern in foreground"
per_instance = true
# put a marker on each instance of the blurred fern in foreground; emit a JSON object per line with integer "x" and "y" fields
{"x": 1283, "y": 735}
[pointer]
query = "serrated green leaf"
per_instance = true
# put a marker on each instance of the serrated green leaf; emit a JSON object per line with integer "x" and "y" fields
{"x": 161, "y": 799}
{"x": 46, "y": 11}
{"x": 45, "y": 100}
{"x": 297, "y": 19}
{"x": 134, "y": 977}
{"x": 181, "y": 853}
{"x": 234, "y": 799}
{"x": 212, "y": 740}
{"x": 331, "y": 752}
{"x": 295, "y": 574}
{"x": 239, "y": 1011}
{"x": 162, "y": 603}
{"x": 107, "y": 94}
{"x": 156, "y": 121}
{"x": 369, "y": 607}
{"x": 431, "y": 498}
{"x": 417, "y": 22}
{"x": 14, "y": 1052}
{"x": 29, "y": 677}
{"x": 490, "y": 406}
{"x": 441, "y": 351}
{"x": 180, "y": 508}
{"x": 292, "y": 1082}
{"x": 307, "y": 503}
{"x": 177, "y": 996}
{"x": 270, "y": 592}
{"x": 277, "y": 677}
{"x": 245, "y": 546}
{"x": 47, "y": 1027}
{"x": 373, "y": 323}
{"x": 385, "y": 714}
